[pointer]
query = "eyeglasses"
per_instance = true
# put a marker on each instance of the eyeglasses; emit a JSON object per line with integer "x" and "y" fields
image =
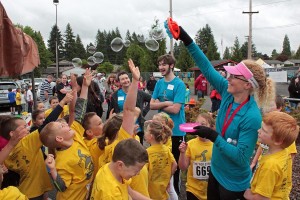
{"x": 236, "y": 77}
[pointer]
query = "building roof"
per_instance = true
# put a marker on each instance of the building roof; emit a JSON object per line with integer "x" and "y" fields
{"x": 274, "y": 62}
{"x": 296, "y": 61}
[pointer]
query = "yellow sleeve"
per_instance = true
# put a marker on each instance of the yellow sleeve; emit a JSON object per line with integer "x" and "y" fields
{"x": 32, "y": 141}
{"x": 12, "y": 193}
{"x": 66, "y": 110}
{"x": 292, "y": 148}
{"x": 123, "y": 135}
{"x": 47, "y": 112}
{"x": 77, "y": 127}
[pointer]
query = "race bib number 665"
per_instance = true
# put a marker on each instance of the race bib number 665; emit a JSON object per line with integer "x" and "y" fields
{"x": 201, "y": 170}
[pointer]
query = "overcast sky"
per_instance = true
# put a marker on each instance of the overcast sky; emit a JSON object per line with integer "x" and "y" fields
{"x": 275, "y": 19}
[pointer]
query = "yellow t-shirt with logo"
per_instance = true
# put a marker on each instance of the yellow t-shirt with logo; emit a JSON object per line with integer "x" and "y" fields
{"x": 75, "y": 166}
{"x": 27, "y": 160}
{"x": 159, "y": 167}
{"x": 18, "y": 98}
{"x": 65, "y": 112}
{"x": 106, "y": 157}
{"x": 95, "y": 151}
{"x": 273, "y": 176}
{"x": 199, "y": 153}
{"x": 139, "y": 182}
{"x": 12, "y": 193}
{"x": 107, "y": 187}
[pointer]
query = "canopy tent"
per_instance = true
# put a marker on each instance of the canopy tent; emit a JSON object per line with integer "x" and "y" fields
{"x": 176, "y": 69}
{"x": 75, "y": 70}
{"x": 18, "y": 51}
{"x": 263, "y": 64}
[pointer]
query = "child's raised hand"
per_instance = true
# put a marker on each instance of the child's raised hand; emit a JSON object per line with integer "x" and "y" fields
{"x": 17, "y": 135}
{"x": 50, "y": 161}
{"x": 74, "y": 84}
{"x": 87, "y": 78}
{"x": 183, "y": 147}
{"x": 134, "y": 70}
{"x": 67, "y": 99}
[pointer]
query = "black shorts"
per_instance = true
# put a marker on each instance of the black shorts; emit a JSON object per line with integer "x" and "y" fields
{"x": 13, "y": 104}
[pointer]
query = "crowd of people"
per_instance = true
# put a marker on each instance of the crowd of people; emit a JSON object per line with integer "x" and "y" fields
{"x": 71, "y": 148}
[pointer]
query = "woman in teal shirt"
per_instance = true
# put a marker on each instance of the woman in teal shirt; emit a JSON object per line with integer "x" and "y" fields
{"x": 238, "y": 119}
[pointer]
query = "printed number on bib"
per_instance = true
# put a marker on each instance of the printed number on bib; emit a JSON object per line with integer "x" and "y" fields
{"x": 201, "y": 170}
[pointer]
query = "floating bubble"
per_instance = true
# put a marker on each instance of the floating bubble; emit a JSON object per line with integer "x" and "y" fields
{"x": 99, "y": 57}
{"x": 157, "y": 33}
{"x": 76, "y": 62}
{"x": 140, "y": 38}
{"x": 152, "y": 44}
{"x": 91, "y": 60}
{"x": 127, "y": 43}
{"x": 117, "y": 44}
{"x": 91, "y": 49}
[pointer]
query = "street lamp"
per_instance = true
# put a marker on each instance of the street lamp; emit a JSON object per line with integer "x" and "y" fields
{"x": 55, "y": 2}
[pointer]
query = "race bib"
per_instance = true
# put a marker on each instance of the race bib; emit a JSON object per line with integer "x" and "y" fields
{"x": 201, "y": 170}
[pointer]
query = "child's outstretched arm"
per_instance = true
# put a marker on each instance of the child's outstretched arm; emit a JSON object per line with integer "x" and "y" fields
{"x": 183, "y": 161}
{"x": 74, "y": 86}
{"x": 58, "y": 182}
{"x": 81, "y": 103}
{"x": 130, "y": 102}
{"x": 15, "y": 137}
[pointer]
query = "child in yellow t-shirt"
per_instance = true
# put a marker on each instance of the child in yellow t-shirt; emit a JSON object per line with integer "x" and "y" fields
{"x": 53, "y": 101}
{"x": 195, "y": 155}
{"x": 272, "y": 178}
{"x": 162, "y": 164}
{"x": 112, "y": 180}
{"x": 18, "y": 100}
{"x": 72, "y": 169}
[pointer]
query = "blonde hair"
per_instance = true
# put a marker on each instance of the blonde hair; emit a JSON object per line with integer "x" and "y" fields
{"x": 265, "y": 94}
{"x": 208, "y": 118}
{"x": 160, "y": 131}
{"x": 48, "y": 135}
{"x": 285, "y": 127}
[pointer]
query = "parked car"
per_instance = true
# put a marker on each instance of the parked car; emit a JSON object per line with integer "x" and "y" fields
{"x": 4, "y": 101}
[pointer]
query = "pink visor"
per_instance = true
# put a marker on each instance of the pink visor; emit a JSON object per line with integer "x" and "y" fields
{"x": 242, "y": 70}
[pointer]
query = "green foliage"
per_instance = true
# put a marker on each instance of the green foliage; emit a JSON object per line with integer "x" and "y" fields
{"x": 236, "y": 53}
{"x": 106, "y": 67}
{"x": 226, "y": 54}
{"x": 80, "y": 50}
{"x": 52, "y": 42}
{"x": 212, "y": 50}
{"x": 184, "y": 60}
{"x": 203, "y": 37}
{"x": 69, "y": 45}
{"x": 286, "y": 47}
{"x": 274, "y": 54}
{"x": 297, "y": 55}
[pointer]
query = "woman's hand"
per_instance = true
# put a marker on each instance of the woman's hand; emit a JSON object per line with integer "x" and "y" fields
{"x": 134, "y": 70}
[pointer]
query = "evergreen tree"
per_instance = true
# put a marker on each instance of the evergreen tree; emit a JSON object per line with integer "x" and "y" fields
{"x": 69, "y": 45}
{"x": 244, "y": 50}
{"x": 297, "y": 55}
{"x": 52, "y": 42}
{"x": 212, "y": 50}
{"x": 203, "y": 37}
{"x": 80, "y": 50}
{"x": 184, "y": 61}
{"x": 176, "y": 50}
{"x": 101, "y": 43}
{"x": 226, "y": 54}
{"x": 274, "y": 54}
{"x": 286, "y": 48}
{"x": 236, "y": 53}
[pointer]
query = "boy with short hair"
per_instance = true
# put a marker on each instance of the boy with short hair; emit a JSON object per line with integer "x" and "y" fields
{"x": 12, "y": 101}
{"x": 272, "y": 178}
{"x": 113, "y": 179}
{"x": 53, "y": 101}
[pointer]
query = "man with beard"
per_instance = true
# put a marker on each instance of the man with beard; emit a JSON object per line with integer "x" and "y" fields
{"x": 169, "y": 96}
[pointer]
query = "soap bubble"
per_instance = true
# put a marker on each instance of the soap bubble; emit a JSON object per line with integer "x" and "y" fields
{"x": 99, "y": 57}
{"x": 152, "y": 44}
{"x": 91, "y": 60}
{"x": 91, "y": 49}
{"x": 117, "y": 44}
{"x": 157, "y": 33}
{"x": 140, "y": 38}
{"x": 127, "y": 43}
{"x": 76, "y": 62}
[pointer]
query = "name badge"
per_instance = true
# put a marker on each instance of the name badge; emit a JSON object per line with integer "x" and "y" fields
{"x": 201, "y": 170}
{"x": 170, "y": 87}
{"x": 121, "y": 98}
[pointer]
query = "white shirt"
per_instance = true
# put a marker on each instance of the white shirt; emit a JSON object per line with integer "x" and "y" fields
{"x": 29, "y": 96}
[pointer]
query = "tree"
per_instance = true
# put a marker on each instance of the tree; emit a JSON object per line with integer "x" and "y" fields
{"x": 52, "y": 42}
{"x": 236, "y": 53}
{"x": 286, "y": 48}
{"x": 203, "y": 37}
{"x": 212, "y": 50}
{"x": 297, "y": 55}
{"x": 137, "y": 54}
{"x": 80, "y": 50}
{"x": 226, "y": 54}
{"x": 184, "y": 61}
{"x": 106, "y": 67}
{"x": 274, "y": 54}
{"x": 69, "y": 45}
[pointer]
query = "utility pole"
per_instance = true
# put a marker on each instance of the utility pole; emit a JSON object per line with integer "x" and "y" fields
{"x": 250, "y": 29}
{"x": 171, "y": 40}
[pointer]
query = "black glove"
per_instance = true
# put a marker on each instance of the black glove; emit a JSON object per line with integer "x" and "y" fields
{"x": 205, "y": 132}
{"x": 184, "y": 37}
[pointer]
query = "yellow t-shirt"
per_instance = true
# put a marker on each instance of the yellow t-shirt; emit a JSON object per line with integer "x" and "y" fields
{"x": 62, "y": 114}
{"x": 106, "y": 157}
{"x": 107, "y": 187}
{"x": 139, "y": 182}
{"x": 273, "y": 176}
{"x": 292, "y": 148}
{"x": 159, "y": 167}
{"x": 169, "y": 143}
{"x": 199, "y": 153}
{"x": 75, "y": 167}
{"x": 12, "y": 193}
{"x": 27, "y": 160}
{"x": 18, "y": 98}
{"x": 95, "y": 151}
